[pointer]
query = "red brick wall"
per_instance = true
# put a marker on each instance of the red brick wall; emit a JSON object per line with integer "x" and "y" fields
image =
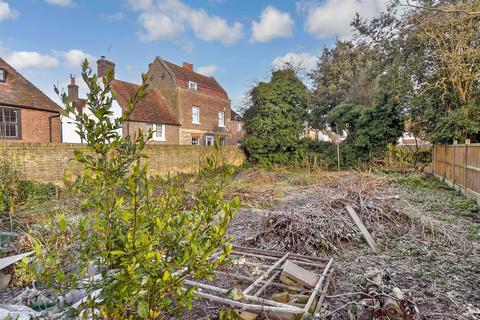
{"x": 201, "y": 89}
{"x": 209, "y": 108}
{"x": 171, "y": 132}
{"x": 237, "y": 136}
{"x": 35, "y": 126}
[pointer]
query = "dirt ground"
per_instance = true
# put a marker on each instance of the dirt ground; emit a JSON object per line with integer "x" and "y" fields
{"x": 428, "y": 234}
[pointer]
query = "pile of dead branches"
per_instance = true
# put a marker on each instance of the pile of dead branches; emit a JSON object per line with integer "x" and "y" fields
{"x": 318, "y": 221}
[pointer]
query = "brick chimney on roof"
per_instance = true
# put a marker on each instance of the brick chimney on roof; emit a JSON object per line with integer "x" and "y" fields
{"x": 104, "y": 66}
{"x": 188, "y": 66}
{"x": 73, "y": 89}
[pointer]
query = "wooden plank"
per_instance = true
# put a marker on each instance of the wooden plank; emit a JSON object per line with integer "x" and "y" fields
{"x": 368, "y": 237}
{"x": 266, "y": 284}
{"x": 5, "y": 262}
{"x": 265, "y": 274}
{"x": 311, "y": 299}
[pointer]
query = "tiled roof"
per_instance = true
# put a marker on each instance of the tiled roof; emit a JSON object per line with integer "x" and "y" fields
{"x": 18, "y": 91}
{"x": 201, "y": 80}
{"x": 235, "y": 116}
{"x": 153, "y": 108}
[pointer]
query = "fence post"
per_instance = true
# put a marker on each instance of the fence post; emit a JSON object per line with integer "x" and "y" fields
{"x": 465, "y": 165}
{"x": 444, "y": 162}
{"x": 454, "y": 163}
{"x": 434, "y": 151}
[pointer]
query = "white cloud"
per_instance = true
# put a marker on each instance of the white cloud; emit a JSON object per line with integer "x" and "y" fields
{"x": 114, "y": 17}
{"x": 30, "y": 59}
{"x": 167, "y": 19}
{"x": 305, "y": 60}
{"x": 62, "y": 3}
{"x": 6, "y": 12}
{"x": 273, "y": 24}
{"x": 333, "y": 17}
{"x": 74, "y": 57}
{"x": 208, "y": 70}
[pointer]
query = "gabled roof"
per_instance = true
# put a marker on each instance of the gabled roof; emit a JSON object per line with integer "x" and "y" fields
{"x": 153, "y": 108}
{"x": 235, "y": 116}
{"x": 18, "y": 91}
{"x": 201, "y": 80}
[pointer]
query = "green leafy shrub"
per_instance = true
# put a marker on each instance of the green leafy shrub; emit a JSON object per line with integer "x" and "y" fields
{"x": 9, "y": 180}
{"x": 33, "y": 192}
{"x": 415, "y": 158}
{"x": 275, "y": 120}
{"x": 144, "y": 243}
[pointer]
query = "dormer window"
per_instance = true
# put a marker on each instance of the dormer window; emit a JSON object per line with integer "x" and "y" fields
{"x": 3, "y": 75}
{"x": 192, "y": 85}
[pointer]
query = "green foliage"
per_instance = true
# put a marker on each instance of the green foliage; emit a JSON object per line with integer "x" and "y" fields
{"x": 354, "y": 94}
{"x": 407, "y": 157}
{"x": 9, "y": 181}
{"x": 275, "y": 120}
{"x": 33, "y": 192}
{"x": 345, "y": 74}
{"x": 145, "y": 243}
{"x": 322, "y": 154}
{"x": 435, "y": 54}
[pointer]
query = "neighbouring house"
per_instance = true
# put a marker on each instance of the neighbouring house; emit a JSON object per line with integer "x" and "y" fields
{"x": 26, "y": 113}
{"x": 409, "y": 140}
{"x": 201, "y": 105}
{"x": 236, "y": 128}
{"x": 324, "y": 135}
{"x": 152, "y": 111}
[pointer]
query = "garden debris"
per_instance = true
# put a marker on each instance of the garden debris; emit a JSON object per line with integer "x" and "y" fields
{"x": 17, "y": 312}
{"x": 262, "y": 295}
{"x": 381, "y": 298}
{"x": 298, "y": 276}
{"x": 317, "y": 222}
{"x": 5, "y": 262}
{"x": 4, "y": 280}
{"x": 363, "y": 229}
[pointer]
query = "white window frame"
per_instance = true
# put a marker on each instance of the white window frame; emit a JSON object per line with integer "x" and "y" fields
{"x": 3, "y": 75}
{"x": 197, "y": 141}
{"x": 239, "y": 127}
{"x": 221, "y": 119}
{"x": 192, "y": 85}
{"x": 158, "y": 131}
{"x": 197, "y": 120}
{"x": 16, "y": 123}
{"x": 209, "y": 138}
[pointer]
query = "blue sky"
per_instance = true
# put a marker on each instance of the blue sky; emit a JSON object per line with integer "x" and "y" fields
{"x": 236, "y": 41}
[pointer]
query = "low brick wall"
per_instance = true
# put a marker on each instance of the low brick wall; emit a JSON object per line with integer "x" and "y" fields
{"x": 47, "y": 162}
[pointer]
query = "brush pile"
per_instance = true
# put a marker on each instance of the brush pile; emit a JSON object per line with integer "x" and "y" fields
{"x": 315, "y": 222}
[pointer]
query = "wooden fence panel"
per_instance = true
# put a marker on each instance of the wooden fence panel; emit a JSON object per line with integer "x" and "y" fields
{"x": 459, "y": 166}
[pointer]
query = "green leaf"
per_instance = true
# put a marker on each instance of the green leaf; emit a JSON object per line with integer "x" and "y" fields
{"x": 143, "y": 309}
{"x": 62, "y": 222}
{"x": 117, "y": 252}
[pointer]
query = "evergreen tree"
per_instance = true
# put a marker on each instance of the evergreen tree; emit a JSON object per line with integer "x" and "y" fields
{"x": 275, "y": 119}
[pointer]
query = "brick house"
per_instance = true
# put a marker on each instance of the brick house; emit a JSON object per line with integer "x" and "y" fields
{"x": 201, "y": 105}
{"x": 152, "y": 112}
{"x": 236, "y": 128}
{"x": 26, "y": 113}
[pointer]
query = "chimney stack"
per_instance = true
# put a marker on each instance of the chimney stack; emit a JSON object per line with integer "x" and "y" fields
{"x": 104, "y": 66}
{"x": 73, "y": 89}
{"x": 188, "y": 66}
